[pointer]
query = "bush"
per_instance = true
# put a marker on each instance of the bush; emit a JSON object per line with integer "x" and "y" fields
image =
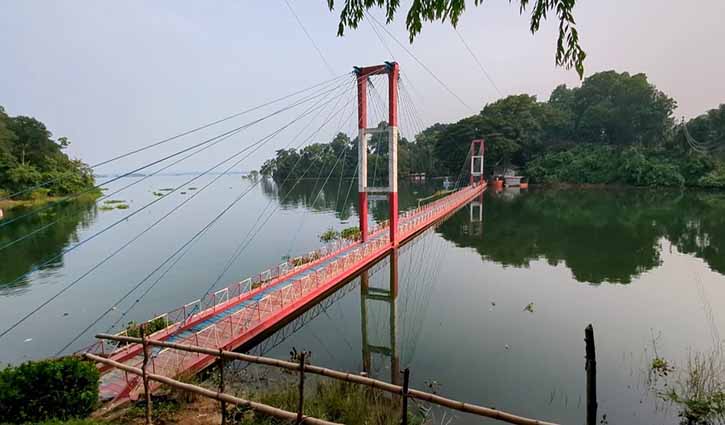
{"x": 134, "y": 330}
{"x": 350, "y": 233}
{"x": 39, "y": 194}
{"x": 36, "y": 391}
{"x": 714, "y": 179}
{"x": 329, "y": 235}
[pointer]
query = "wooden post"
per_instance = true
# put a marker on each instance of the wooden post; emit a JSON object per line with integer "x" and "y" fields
{"x": 591, "y": 369}
{"x": 406, "y": 379}
{"x": 301, "y": 399}
{"x": 144, "y": 374}
{"x": 223, "y": 403}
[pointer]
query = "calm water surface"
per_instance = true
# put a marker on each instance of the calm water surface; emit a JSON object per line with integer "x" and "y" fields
{"x": 639, "y": 265}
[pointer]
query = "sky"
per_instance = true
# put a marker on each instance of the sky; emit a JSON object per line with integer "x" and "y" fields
{"x": 116, "y": 76}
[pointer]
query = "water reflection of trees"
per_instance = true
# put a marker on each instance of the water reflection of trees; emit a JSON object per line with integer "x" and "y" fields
{"x": 600, "y": 235}
{"x": 340, "y": 196}
{"x": 24, "y": 256}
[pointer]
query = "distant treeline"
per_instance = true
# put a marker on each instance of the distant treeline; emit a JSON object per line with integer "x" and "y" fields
{"x": 615, "y": 128}
{"x": 30, "y": 157}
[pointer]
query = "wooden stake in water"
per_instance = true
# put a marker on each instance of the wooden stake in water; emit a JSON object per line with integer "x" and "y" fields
{"x": 591, "y": 369}
{"x": 144, "y": 374}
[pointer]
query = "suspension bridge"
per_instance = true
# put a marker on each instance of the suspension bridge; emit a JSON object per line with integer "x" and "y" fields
{"x": 247, "y": 311}
{"x": 233, "y": 316}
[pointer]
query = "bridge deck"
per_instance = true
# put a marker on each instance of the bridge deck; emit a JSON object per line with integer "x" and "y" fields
{"x": 233, "y": 316}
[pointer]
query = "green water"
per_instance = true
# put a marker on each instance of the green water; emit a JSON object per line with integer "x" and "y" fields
{"x": 636, "y": 264}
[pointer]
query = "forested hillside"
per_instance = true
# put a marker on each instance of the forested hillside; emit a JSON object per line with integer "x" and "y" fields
{"x": 29, "y": 157}
{"x": 615, "y": 128}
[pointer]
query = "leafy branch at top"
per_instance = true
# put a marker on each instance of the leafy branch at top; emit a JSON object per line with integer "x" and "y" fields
{"x": 569, "y": 53}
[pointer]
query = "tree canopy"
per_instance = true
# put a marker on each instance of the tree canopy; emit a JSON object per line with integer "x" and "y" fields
{"x": 615, "y": 128}
{"x": 29, "y": 156}
{"x": 569, "y": 52}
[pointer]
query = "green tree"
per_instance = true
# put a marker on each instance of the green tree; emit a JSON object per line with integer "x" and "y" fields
{"x": 621, "y": 109}
{"x": 568, "y": 51}
{"x": 30, "y": 157}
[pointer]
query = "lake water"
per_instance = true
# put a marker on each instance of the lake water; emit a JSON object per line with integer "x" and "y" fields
{"x": 638, "y": 265}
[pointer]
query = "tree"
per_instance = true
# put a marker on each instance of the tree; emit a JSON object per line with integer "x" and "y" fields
{"x": 621, "y": 109}
{"x": 568, "y": 51}
{"x": 30, "y": 157}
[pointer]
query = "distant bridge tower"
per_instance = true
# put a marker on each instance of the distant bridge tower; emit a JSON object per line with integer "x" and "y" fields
{"x": 477, "y": 148}
{"x": 363, "y": 73}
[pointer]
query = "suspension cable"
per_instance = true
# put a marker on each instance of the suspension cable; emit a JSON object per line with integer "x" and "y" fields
{"x": 180, "y": 256}
{"x": 182, "y": 134}
{"x": 76, "y": 195}
{"x": 67, "y": 287}
{"x": 422, "y": 65}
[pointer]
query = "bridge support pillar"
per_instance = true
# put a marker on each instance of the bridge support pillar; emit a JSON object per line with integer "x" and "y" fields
{"x": 393, "y": 76}
{"x": 362, "y": 152}
{"x": 477, "y": 147}
{"x": 392, "y": 69}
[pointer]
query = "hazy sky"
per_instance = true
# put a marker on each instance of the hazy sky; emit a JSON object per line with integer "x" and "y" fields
{"x": 113, "y": 76}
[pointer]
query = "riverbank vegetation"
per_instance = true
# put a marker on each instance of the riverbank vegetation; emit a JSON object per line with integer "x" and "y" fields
{"x": 616, "y": 128}
{"x": 696, "y": 387}
{"x": 30, "y": 157}
{"x": 55, "y": 389}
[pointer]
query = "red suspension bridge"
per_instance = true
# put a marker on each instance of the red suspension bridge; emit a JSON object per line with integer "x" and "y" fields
{"x": 232, "y": 317}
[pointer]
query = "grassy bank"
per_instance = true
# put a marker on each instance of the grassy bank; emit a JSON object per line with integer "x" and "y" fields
{"x": 38, "y": 201}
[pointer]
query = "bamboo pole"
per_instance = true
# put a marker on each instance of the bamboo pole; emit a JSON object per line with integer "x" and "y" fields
{"x": 348, "y": 377}
{"x": 144, "y": 376}
{"x": 262, "y": 408}
{"x": 222, "y": 404}
{"x": 406, "y": 382}
{"x": 301, "y": 398}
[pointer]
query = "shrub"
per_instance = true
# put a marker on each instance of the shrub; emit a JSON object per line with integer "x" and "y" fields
{"x": 36, "y": 391}
{"x": 39, "y": 194}
{"x": 134, "y": 330}
{"x": 350, "y": 233}
{"x": 329, "y": 235}
{"x": 714, "y": 179}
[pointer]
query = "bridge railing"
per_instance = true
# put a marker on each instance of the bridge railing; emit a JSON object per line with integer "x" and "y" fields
{"x": 404, "y": 391}
{"x": 220, "y": 299}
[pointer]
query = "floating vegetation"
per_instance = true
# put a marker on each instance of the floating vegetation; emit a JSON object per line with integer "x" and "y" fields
{"x": 329, "y": 235}
{"x": 661, "y": 367}
{"x": 349, "y": 233}
{"x": 134, "y": 330}
{"x": 192, "y": 188}
{"x": 183, "y": 193}
{"x": 697, "y": 387}
{"x": 167, "y": 189}
{"x": 529, "y": 307}
{"x": 113, "y": 204}
{"x": 158, "y": 194}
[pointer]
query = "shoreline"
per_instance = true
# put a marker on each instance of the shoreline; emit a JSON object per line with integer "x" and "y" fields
{"x": 8, "y": 205}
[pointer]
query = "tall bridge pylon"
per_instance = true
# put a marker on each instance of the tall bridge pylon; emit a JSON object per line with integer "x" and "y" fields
{"x": 392, "y": 69}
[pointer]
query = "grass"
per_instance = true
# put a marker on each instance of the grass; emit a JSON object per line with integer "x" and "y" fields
{"x": 349, "y": 233}
{"x": 696, "y": 388}
{"x": 9, "y": 204}
{"x": 72, "y": 422}
{"x": 335, "y": 401}
{"x": 134, "y": 330}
